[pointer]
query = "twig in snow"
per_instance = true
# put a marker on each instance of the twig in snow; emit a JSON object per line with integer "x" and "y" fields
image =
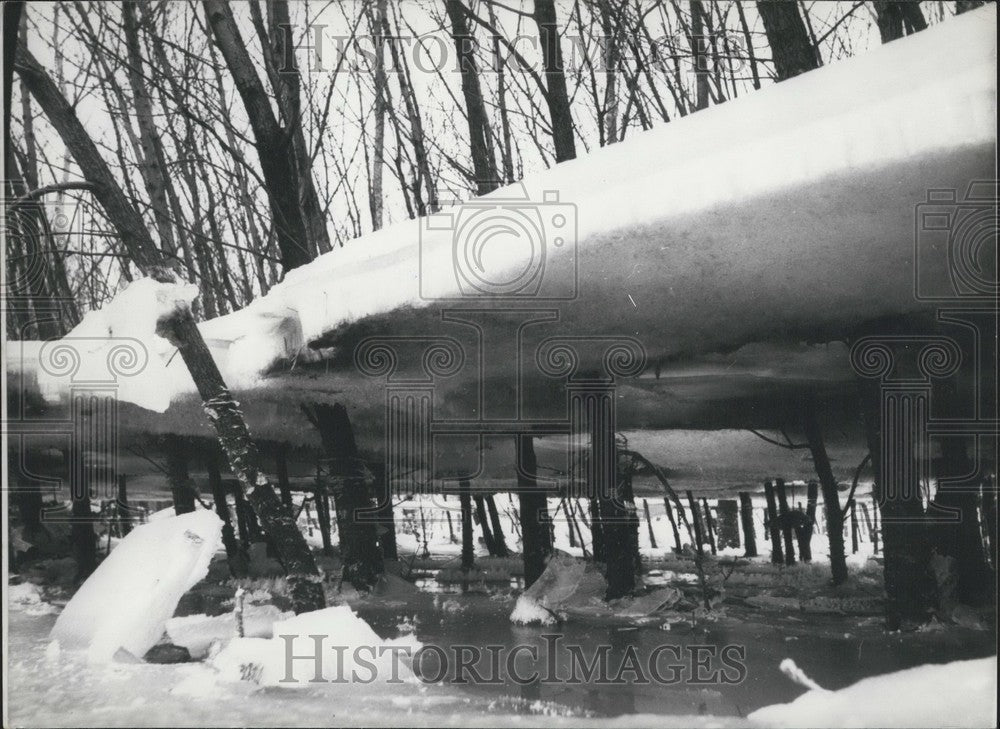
{"x": 797, "y": 675}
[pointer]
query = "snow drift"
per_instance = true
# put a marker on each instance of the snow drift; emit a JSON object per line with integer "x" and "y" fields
{"x": 332, "y": 645}
{"x": 958, "y": 694}
{"x": 126, "y": 603}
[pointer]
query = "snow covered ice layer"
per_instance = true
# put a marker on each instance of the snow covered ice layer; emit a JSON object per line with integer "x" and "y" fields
{"x": 126, "y": 603}
{"x": 332, "y": 645}
{"x": 694, "y": 236}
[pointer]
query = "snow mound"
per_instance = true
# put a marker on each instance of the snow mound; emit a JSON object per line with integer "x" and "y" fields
{"x": 198, "y": 632}
{"x": 118, "y": 344}
{"x": 332, "y": 645}
{"x": 958, "y": 694}
{"x": 127, "y": 601}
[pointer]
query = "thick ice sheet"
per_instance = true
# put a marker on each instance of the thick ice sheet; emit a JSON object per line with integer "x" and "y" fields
{"x": 788, "y": 212}
{"x": 129, "y": 598}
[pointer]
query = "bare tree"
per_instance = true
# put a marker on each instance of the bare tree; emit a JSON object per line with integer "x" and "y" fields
{"x": 180, "y": 328}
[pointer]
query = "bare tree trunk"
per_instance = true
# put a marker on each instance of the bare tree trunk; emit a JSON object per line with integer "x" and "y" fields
{"x": 556, "y": 94}
{"x": 378, "y": 23}
{"x": 465, "y": 500}
{"x": 596, "y": 531}
{"x": 498, "y": 539}
{"x": 785, "y": 519}
{"x": 152, "y": 165}
{"x": 288, "y": 93}
{"x": 535, "y": 534}
{"x": 831, "y": 499}
{"x": 710, "y": 524}
{"x": 417, "y": 138}
{"x": 897, "y": 18}
{"x": 773, "y": 525}
{"x": 181, "y": 486}
{"x": 699, "y": 537}
{"x": 484, "y": 525}
{"x": 746, "y": 519}
{"x": 356, "y": 510}
{"x": 234, "y": 557}
{"x": 699, "y": 46}
{"x": 791, "y": 48}
{"x": 729, "y": 523}
{"x": 673, "y": 524}
{"x": 964, "y": 6}
{"x": 281, "y": 470}
{"x": 649, "y": 524}
{"x": 275, "y": 149}
{"x": 223, "y": 412}
{"x": 804, "y": 529}
{"x": 484, "y": 164}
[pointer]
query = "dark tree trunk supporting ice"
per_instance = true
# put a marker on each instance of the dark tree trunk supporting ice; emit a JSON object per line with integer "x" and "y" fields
{"x": 777, "y": 555}
{"x": 696, "y": 523}
{"x": 281, "y": 469}
{"x": 709, "y": 525}
{"x": 499, "y": 543}
{"x": 181, "y": 486}
{"x": 465, "y": 501}
{"x": 484, "y": 525}
{"x": 746, "y": 519}
{"x": 649, "y": 524}
{"x": 596, "y": 531}
{"x": 535, "y": 533}
{"x": 911, "y": 594}
{"x": 386, "y": 516}
{"x": 235, "y": 558}
{"x": 831, "y": 499}
{"x": 356, "y": 510}
{"x": 729, "y": 523}
{"x": 673, "y": 524}
{"x": 785, "y": 519}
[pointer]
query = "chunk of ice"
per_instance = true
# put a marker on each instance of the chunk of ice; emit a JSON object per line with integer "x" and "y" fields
{"x": 127, "y": 601}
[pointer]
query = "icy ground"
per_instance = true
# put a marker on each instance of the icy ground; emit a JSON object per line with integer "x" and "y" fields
{"x": 62, "y": 687}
